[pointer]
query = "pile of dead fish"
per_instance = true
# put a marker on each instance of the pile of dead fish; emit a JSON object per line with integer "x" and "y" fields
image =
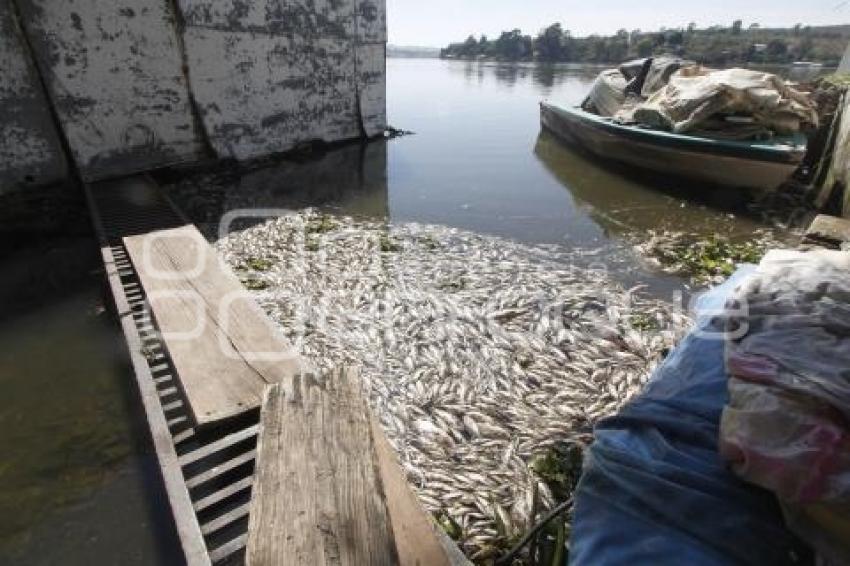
{"x": 478, "y": 354}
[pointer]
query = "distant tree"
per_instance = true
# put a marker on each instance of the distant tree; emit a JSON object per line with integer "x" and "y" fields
{"x": 675, "y": 38}
{"x": 797, "y": 29}
{"x": 776, "y": 51}
{"x": 470, "y": 47}
{"x": 755, "y": 25}
{"x": 645, "y": 47}
{"x": 714, "y": 46}
{"x": 737, "y": 26}
{"x": 549, "y": 44}
{"x": 804, "y": 49}
{"x": 513, "y": 46}
{"x": 617, "y": 48}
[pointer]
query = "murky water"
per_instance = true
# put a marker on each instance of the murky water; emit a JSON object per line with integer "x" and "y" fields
{"x": 77, "y": 479}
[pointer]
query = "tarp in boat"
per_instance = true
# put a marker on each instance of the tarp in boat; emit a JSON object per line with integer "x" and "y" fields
{"x": 659, "y": 72}
{"x": 696, "y": 98}
{"x": 786, "y": 426}
{"x": 654, "y": 488}
{"x": 607, "y": 93}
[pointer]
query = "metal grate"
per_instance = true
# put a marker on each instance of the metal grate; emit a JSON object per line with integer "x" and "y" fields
{"x": 207, "y": 474}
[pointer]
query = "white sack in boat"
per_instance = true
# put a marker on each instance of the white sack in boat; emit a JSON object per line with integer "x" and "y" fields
{"x": 696, "y": 94}
{"x": 607, "y": 93}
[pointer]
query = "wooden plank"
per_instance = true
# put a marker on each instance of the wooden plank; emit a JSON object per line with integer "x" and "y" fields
{"x": 828, "y": 231}
{"x": 320, "y": 494}
{"x": 416, "y": 541}
{"x": 224, "y": 348}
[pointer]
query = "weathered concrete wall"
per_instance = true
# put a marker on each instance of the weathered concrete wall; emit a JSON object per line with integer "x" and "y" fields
{"x": 261, "y": 94}
{"x": 141, "y": 84}
{"x": 114, "y": 72}
{"x": 30, "y": 150}
{"x": 372, "y": 86}
{"x": 269, "y": 74}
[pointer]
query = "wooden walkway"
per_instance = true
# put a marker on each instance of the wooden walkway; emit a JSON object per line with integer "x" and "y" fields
{"x": 224, "y": 348}
{"x": 208, "y": 471}
{"x": 326, "y": 492}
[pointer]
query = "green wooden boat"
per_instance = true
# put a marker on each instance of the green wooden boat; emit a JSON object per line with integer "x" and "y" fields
{"x": 759, "y": 166}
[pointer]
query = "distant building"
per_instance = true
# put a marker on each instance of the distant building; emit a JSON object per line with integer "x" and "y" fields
{"x": 759, "y": 47}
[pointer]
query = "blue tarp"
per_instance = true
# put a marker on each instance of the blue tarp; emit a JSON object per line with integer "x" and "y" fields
{"x": 654, "y": 489}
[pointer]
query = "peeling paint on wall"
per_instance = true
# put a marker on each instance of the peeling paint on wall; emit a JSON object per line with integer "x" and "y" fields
{"x": 30, "y": 151}
{"x": 270, "y": 74}
{"x": 114, "y": 74}
{"x": 260, "y": 94}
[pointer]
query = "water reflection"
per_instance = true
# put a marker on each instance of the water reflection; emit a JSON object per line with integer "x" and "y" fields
{"x": 624, "y": 202}
{"x": 352, "y": 178}
{"x": 545, "y": 76}
{"x": 78, "y": 482}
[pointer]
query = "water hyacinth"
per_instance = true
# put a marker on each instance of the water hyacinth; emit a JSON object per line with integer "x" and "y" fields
{"x": 478, "y": 354}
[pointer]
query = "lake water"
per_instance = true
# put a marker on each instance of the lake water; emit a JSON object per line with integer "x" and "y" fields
{"x": 78, "y": 481}
{"x": 479, "y": 161}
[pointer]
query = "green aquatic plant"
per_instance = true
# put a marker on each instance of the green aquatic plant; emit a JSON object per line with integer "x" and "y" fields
{"x": 429, "y": 242}
{"x": 705, "y": 259}
{"x": 255, "y": 284}
{"x": 389, "y": 245}
{"x": 559, "y": 468}
{"x": 458, "y": 284}
{"x": 643, "y": 321}
{"x": 256, "y": 264}
{"x": 449, "y": 526}
{"x": 840, "y": 80}
{"x": 321, "y": 224}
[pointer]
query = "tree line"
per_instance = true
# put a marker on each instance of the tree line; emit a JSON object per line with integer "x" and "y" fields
{"x": 716, "y": 45}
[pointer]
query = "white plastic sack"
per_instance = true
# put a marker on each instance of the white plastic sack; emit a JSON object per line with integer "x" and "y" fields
{"x": 608, "y": 92}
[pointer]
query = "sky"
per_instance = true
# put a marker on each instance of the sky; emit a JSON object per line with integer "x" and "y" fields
{"x": 436, "y": 23}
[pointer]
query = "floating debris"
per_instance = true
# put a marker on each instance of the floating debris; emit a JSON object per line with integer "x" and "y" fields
{"x": 704, "y": 259}
{"x": 254, "y": 264}
{"x": 481, "y": 356}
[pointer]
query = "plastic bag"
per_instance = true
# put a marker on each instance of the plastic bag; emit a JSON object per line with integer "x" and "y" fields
{"x": 786, "y": 425}
{"x": 654, "y": 488}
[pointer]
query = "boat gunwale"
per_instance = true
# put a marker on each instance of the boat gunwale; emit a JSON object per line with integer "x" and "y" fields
{"x": 756, "y": 151}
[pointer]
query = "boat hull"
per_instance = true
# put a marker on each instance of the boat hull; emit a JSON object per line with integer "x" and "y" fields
{"x": 760, "y": 168}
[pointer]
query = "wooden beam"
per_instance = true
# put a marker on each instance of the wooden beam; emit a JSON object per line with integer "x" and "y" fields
{"x": 828, "y": 232}
{"x": 326, "y": 490}
{"x": 416, "y": 541}
{"x": 224, "y": 348}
